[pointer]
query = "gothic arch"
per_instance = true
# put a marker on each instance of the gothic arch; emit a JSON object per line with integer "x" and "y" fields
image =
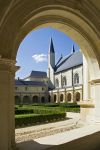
{"x": 57, "y": 82}
{"x": 64, "y": 81}
{"x": 76, "y": 78}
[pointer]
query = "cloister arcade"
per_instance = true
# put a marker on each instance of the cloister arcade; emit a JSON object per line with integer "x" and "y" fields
{"x": 80, "y": 20}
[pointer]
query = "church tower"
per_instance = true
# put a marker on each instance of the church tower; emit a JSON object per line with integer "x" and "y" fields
{"x": 51, "y": 63}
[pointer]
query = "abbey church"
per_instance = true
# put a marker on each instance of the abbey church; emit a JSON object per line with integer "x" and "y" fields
{"x": 63, "y": 81}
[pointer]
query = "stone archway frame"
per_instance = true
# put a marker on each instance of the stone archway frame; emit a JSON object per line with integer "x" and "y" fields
{"x": 67, "y": 96}
{"x": 77, "y": 19}
{"x": 77, "y": 92}
{"x": 69, "y": 20}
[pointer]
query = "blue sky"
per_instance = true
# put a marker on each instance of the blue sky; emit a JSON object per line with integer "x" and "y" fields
{"x": 33, "y": 51}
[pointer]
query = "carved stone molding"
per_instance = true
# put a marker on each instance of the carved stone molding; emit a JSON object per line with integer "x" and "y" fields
{"x": 8, "y": 65}
{"x": 86, "y": 104}
{"x": 95, "y": 81}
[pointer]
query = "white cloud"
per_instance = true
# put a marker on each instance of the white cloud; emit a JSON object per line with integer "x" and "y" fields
{"x": 39, "y": 57}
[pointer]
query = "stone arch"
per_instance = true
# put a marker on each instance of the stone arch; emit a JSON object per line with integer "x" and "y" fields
{"x": 55, "y": 97}
{"x": 77, "y": 19}
{"x": 17, "y": 100}
{"x": 69, "y": 97}
{"x": 35, "y": 99}
{"x": 42, "y": 99}
{"x": 61, "y": 97}
{"x": 26, "y": 99}
{"x": 77, "y": 96}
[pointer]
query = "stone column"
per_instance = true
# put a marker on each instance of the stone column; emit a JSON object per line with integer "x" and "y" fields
{"x": 7, "y": 103}
{"x": 95, "y": 94}
{"x": 87, "y": 106}
{"x": 85, "y": 80}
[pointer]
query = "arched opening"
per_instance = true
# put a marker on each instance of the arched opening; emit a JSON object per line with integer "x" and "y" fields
{"x": 57, "y": 83}
{"x": 42, "y": 99}
{"x": 17, "y": 100}
{"x": 73, "y": 19}
{"x": 55, "y": 98}
{"x": 77, "y": 97}
{"x": 35, "y": 99}
{"x": 61, "y": 98}
{"x": 69, "y": 97}
{"x": 26, "y": 100}
{"x": 64, "y": 82}
{"x": 76, "y": 78}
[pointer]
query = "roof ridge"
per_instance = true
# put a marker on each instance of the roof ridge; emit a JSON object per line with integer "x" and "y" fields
{"x": 64, "y": 60}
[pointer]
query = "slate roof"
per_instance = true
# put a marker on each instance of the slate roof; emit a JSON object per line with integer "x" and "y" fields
{"x": 29, "y": 83}
{"x": 69, "y": 61}
{"x": 38, "y": 74}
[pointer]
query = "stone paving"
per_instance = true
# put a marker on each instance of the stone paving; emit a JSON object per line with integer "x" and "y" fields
{"x": 85, "y": 137}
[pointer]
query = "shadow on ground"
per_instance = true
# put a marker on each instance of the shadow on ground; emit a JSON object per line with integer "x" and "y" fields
{"x": 31, "y": 145}
{"x": 90, "y": 142}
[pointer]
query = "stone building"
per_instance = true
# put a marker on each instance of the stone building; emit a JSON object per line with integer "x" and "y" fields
{"x": 66, "y": 76}
{"x": 32, "y": 89}
{"x": 80, "y": 20}
{"x": 63, "y": 84}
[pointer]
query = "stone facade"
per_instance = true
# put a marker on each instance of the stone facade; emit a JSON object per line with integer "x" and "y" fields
{"x": 33, "y": 89}
{"x": 67, "y": 75}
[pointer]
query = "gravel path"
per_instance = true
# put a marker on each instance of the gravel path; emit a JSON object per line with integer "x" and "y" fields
{"x": 34, "y": 132}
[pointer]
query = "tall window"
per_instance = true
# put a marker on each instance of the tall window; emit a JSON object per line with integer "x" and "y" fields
{"x": 64, "y": 81}
{"x": 76, "y": 78}
{"x": 57, "y": 83}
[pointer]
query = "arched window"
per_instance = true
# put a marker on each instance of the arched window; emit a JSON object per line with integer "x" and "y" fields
{"x": 76, "y": 78}
{"x": 69, "y": 97}
{"x": 77, "y": 96}
{"x": 55, "y": 98}
{"x": 64, "y": 81}
{"x": 61, "y": 97}
{"x": 35, "y": 99}
{"x": 57, "y": 83}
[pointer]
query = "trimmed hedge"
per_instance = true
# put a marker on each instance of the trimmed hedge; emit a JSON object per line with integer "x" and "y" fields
{"x": 31, "y": 119}
{"x": 23, "y": 111}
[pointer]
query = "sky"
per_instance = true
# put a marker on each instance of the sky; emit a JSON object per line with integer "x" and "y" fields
{"x": 33, "y": 50}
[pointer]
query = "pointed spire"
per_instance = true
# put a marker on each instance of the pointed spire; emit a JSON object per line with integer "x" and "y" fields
{"x": 51, "y": 48}
{"x": 73, "y": 49}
